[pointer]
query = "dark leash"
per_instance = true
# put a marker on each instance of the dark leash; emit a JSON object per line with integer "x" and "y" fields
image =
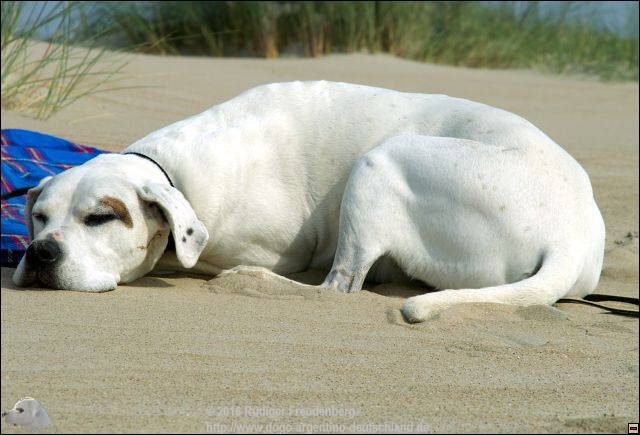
{"x": 593, "y": 298}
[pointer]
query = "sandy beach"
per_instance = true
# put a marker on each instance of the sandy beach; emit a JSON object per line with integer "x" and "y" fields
{"x": 173, "y": 353}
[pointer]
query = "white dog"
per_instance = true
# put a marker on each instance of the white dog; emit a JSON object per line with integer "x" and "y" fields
{"x": 288, "y": 176}
{"x": 29, "y": 414}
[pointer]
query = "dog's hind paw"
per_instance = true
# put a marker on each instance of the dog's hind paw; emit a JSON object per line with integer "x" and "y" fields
{"x": 415, "y": 311}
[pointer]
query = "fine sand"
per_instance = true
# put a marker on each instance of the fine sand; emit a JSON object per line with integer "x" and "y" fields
{"x": 181, "y": 353}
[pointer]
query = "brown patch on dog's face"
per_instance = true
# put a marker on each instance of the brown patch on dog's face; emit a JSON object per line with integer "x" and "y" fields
{"x": 119, "y": 209}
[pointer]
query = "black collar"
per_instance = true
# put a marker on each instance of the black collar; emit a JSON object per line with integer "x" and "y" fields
{"x": 154, "y": 162}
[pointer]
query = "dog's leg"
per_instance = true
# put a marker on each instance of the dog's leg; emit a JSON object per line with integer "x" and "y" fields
{"x": 361, "y": 235}
{"x": 350, "y": 269}
{"x": 440, "y": 207}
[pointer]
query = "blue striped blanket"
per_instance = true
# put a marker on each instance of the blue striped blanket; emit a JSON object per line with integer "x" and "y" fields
{"x": 27, "y": 157}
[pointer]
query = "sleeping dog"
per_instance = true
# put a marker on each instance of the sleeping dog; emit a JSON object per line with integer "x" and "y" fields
{"x": 361, "y": 181}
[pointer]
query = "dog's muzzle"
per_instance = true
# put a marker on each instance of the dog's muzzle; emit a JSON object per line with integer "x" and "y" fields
{"x": 43, "y": 254}
{"x": 42, "y": 260}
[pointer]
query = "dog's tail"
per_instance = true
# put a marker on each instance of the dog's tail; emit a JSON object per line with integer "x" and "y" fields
{"x": 555, "y": 278}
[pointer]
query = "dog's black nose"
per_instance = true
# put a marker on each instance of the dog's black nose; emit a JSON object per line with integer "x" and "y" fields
{"x": 44, "y": 252}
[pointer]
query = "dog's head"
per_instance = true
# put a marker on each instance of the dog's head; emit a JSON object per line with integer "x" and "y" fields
{"x": 102, "y": 223}
{"x": 29, "y": 413}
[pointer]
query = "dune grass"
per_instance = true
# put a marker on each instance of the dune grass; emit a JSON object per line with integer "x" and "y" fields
{"x": 505, "y": 35}
{"x": 41, "y": 78}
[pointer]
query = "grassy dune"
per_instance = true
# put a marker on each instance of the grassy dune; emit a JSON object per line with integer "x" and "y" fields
{"x": 570, "y": 38}
{"x": 42, "y": 77}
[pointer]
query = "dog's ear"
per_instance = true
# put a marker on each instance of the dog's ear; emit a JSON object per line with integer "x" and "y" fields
{"x": 189, "y": 234}
{"x": 32, "y": 197}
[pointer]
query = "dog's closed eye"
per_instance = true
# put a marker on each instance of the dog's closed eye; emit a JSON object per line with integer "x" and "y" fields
{"x": 93, "y": 220}
{"x": 40, "y": 217}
